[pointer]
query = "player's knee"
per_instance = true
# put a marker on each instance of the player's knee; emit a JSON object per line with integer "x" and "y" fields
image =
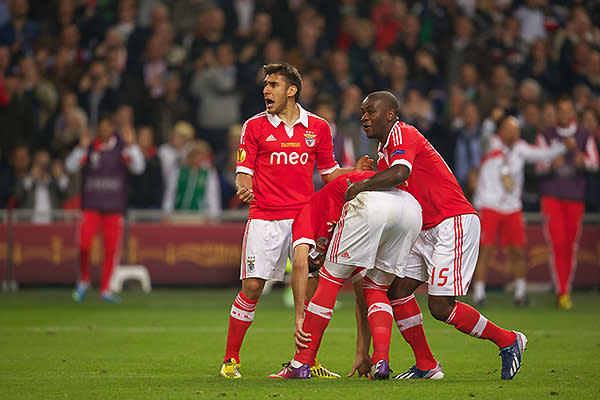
{"x": 402, "y": 287}
{"x": 252, "y": 288}
{"x": 440, "y": 307}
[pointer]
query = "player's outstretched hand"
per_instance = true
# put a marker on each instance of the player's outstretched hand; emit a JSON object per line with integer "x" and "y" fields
{"x": 365, "y": 163}
{"x": 362, "y": 365}
{"x": 301, "y": 337}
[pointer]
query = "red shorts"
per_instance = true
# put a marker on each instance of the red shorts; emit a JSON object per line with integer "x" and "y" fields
{"x": 509, "y": 227}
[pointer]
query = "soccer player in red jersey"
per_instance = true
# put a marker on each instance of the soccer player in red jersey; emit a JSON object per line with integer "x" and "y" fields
{"x": 446, "y": 251}
{"x": 374, "y": 235}
{"x": 276, "y": 157}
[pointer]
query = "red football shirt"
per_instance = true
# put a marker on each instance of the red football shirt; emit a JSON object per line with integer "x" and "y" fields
{"x": 281, "y": 160}
{"x": 313, "y": 224}
{"x": 430, "y": 181}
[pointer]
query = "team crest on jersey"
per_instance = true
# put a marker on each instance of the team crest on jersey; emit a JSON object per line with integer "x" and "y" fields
{"x": 241, "y": 156}
{"x": 310, "y": 136}
{"x": 250, "y": 261}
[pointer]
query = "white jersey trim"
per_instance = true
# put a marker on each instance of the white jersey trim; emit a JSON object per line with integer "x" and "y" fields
{"x": 307, "y": 241}
{"x": 244, "y": 170}
{"x": 329, "y": 170}
{"x": 402, "y": 162}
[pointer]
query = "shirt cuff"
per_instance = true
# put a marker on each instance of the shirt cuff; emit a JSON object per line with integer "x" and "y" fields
{"x": 402, "y": 162}
{"x": 244, "y": 170}
{"x": 329, "y": 170}
{"x": 307, "y": 241}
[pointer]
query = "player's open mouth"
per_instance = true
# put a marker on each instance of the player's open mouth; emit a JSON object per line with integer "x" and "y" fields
{"x": 366, "y": 127}
{"x": 269, "y": 103}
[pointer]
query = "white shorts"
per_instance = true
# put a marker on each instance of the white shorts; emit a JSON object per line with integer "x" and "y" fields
{"x": 342, "y": 271}
{"x": 266, "y": 248}
{"x": 376, "y": 230}
{"x": 445, "y": 256}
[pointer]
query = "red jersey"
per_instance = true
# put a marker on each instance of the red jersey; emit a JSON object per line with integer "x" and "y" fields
{"x": 281, "y": 161}
{"x": 314, "y": 223}
{"x": 430, "y": 181}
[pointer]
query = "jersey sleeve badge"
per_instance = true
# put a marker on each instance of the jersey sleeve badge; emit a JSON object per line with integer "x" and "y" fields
{"x": 241, "y": 155}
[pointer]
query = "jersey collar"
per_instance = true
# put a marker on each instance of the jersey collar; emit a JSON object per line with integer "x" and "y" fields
{"x": 388, "y": 138}
{"x": 302, "y": 118}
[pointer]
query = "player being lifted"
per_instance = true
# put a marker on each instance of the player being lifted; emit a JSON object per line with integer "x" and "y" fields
{"x": 375, "y": 232}
{"x": 445, "y": 254}
{"x": 276, "y": 157}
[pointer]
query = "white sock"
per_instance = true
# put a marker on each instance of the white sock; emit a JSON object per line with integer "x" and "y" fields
{"x": 295, "y": 363}
{"x": 478, "y": 290}
{"x": 81, "y": 285}
{"x": 520, "y": 288}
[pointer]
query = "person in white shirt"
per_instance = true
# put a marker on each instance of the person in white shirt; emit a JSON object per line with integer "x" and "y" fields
{"x": 172, "y": 156}
{"x": 498, "y": 199}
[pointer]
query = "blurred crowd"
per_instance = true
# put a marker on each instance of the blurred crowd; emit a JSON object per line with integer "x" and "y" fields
{"x": 182, "y": 75}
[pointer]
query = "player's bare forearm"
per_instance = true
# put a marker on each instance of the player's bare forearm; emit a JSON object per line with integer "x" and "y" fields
{"x": 362, "y": 361}
{"x": 363, "y": 164}
{"x": 385, "y": 179}
{"x": 299, "y": 284}
{"x": 243, "y": 187}
{"x": 363, "y": 333}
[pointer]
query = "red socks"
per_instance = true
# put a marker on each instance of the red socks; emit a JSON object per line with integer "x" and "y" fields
{"x": 468, "y": 320}
{"x": 380, "y": 319}
{"x": 318, "y": 314}
{"x": 240, "y": 319}
{"x": 409, "y": 319}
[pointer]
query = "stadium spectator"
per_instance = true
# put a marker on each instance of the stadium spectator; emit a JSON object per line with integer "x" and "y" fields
{"x": 540, "y": 66}
{"x": 43, "y": 189}
{"x": 104, "y": 163}
{"x": 16, "y": 117}
{"x": 498, "y": 199}
{"x": 170, "y": 108}
{"x": 262, "y": 164}
{"x": 95, "y": 95}
{"x": 69, "y": 125}
{"x": 20, "y": 32}
{"x": 214, "y": 84}
{"x": 531, "y": 18}
{"x": 468, "y": 145}
{"x": 172, "y": 155}
{"x": 63, "y": 73}
{"x": 12, "y": 174}
{"x": 43, "y": 97}
{"x": 343, "y": 147}
{"x": 445, "y": 253}
{"x": 146, "y": 190}
{"x": 362, "y": 53}
{"x": 562, "y": 186}
{"x": 155, "y": 67}
{"x": 460, "y": 48}
{"x": 198, "y": 187}
{"x": 418, "y": 110}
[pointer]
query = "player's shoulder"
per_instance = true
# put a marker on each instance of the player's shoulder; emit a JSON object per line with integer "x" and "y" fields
{"x": 259, "y": 118}
{"x": 314, "y": 121}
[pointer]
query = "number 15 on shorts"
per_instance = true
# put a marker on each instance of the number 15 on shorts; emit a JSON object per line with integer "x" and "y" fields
{"x": 441, "y": 279}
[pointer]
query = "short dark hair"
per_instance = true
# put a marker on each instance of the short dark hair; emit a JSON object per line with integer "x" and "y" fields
{"x": 289, "y": 72}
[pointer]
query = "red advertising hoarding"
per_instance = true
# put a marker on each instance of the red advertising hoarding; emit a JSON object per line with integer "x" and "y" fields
{"x": 209, "y": 254}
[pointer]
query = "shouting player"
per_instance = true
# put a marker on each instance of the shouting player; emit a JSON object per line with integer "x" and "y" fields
{"x": 445, "y": 254}
{"x": 276, "y": 157}
{"x": 375, "y": 232}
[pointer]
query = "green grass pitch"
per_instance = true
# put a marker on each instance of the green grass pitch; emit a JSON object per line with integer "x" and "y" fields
{"x": 170, "y": 344}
